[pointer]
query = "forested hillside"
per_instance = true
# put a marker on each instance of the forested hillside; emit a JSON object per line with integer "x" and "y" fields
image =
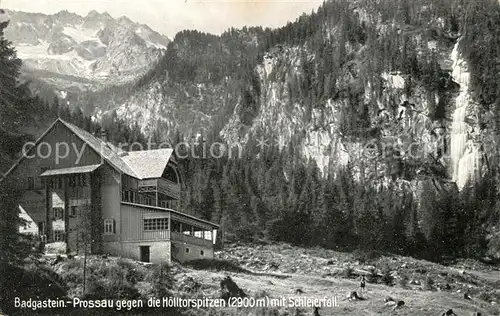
{"x": 348, "y": 74}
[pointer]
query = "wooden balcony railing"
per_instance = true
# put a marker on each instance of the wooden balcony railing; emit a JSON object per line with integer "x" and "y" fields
{"x": 164, "y": 186}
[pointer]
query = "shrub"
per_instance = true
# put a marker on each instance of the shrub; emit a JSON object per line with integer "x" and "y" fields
{"x": 387, "y": 277}
{"x": 373, "y": 275}
{"x": 111, "y": 289}
{"x": 403, "y": 282}
{"x": 365, "y": 256}
{"x": 429, "y": 283}
{"x": 348, "y": 272}
{"x": 486, "y": 296}
{"x": 132, "y": 272}
{"x": 161, "y": 280}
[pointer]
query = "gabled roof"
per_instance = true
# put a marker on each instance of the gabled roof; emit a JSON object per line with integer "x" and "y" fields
{"x": 139, "y": 164}
{"x": 107, "y": 150}
{"x": 148, "y": 163}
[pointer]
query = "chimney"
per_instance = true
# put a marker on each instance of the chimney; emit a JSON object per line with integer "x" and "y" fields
{"x": 104, "y": 135}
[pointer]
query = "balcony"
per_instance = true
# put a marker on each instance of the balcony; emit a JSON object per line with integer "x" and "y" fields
{"x": 162, "y": 186}
{"x": 189, "y": 239}
{"x": 181, "y": 227}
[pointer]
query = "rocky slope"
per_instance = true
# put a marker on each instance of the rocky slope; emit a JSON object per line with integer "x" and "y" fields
{"x": 400, "y": 109}
{"x": 71, "y": 52}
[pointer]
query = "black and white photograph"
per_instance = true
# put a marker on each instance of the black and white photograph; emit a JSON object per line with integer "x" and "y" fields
{"x": 250, "y": 158}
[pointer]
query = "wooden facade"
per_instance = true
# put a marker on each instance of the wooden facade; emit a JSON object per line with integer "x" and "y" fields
{"x": 92, "y": 197}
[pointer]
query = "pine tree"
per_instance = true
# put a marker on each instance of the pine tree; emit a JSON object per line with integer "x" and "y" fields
{"x": 13, "y": 246}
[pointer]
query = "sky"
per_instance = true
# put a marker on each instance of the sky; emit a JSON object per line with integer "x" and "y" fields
{"x": 171, "y": 16}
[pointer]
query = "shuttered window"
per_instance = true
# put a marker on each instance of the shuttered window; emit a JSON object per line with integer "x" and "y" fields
{"x": 58, "y": 213}
{"x": 109, "y": 226}
{"x": 58, "y": 235}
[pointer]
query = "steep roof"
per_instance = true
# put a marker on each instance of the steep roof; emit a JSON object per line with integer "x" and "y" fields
{"x": 148, "y": 163}
{"x": 107, "y": 150}
{"x": 142, "y": 164}
{"x": 138, "y": 164}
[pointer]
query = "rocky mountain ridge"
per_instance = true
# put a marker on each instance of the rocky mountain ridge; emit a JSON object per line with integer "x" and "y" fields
{"x": 70, "y": 52}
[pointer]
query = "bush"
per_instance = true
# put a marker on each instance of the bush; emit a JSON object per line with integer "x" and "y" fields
{"x": 109, "y": 279}
{"x": 373, "y": 275}
{"x": 403, "y": 282}
{"x": 161, "y": 280}
{"x": 132, "y": 273}
{"x": 488, "y": 296}
{"x": 387, "y": 277}
{"x": 111, "y": 289}
{"x": 348, "y": 272}
{"x": 365, "y": 256}
{"x": 429, "y": 284}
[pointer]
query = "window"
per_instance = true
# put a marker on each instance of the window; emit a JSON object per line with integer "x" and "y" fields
{"x": 187, "y": 250}
{"x": 187, "y": 229}
{"x": 202, "y": 252}
{"x": 128, "y": 196}
{"x": 38, "y": 183}
{"x": 73, "y": 211}
{"x": 55, "y": 183}
{"x": 58, "y": 212}
{"x": 77, "y": 180}
{"x": 72, "y": 181}
{"x": 166, "y": 204}
{"x": 41, "y": 228}
{"x": 176, "y": 226}
{"x": 155, "y": 224}
{"x": 208, "y": 235}
{"x": 31, "y": 183}
{"x": 109, "y": 226}
{"x": 82, "y": 180}
{"x": 58, "y": 235}
{"x": 198, "y": 232}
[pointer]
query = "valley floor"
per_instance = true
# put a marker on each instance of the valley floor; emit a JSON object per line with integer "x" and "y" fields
{"x": 430, "y": 289}
{"x": 282, "y": 271}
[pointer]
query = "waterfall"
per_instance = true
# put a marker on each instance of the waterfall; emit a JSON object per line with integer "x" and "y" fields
{"x": 464, "y": 155}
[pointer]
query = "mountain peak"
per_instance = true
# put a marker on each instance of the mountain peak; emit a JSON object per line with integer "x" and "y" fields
{"x": 124, "y": 19}
{"x": 95, "y": 14}
{"x": 99, "y": 45}
{"x": 65, "y": 13}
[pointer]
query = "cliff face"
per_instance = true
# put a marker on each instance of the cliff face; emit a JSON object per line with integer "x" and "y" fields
{"x": 386, "y": 95}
